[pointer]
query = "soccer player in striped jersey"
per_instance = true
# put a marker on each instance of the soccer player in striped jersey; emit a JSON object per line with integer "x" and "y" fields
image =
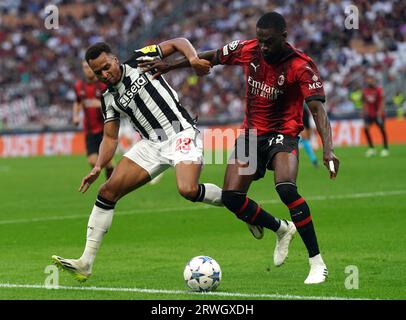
{"x": 170, "y": 138}
{"x": 279, "y": 78}
{"x": 88, "y": 93}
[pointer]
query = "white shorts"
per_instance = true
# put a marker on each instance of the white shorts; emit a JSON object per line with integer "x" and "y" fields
{"x": 156, "y": 157}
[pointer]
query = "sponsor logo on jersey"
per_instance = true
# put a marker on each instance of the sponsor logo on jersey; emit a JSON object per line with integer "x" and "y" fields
{"x": 254, "y": 66}
{"x": 262, "y": 89}
{"x": 233, "y": 45}
{"x": 315, "y": 85}
{"x": 225, "y": 50}
{"x": 128, "y": 95}
{"x": 281, "y": 79}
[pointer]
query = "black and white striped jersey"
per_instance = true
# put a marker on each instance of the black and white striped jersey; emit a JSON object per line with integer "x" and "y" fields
{"x": 151, "y": 104}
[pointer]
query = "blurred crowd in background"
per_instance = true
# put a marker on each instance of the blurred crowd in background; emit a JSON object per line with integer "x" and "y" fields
{"x": 39, "y": 66}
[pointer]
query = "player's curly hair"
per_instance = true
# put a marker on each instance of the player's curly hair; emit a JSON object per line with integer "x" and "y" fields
{"x": 272, "y": 20}
{"x": 96, "y": 50}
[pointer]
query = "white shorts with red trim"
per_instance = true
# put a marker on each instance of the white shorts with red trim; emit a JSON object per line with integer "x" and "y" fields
{"x": 156, "y": 157}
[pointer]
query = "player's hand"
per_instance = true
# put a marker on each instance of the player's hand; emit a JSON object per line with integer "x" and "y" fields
{"x": 89, "y": 179}
{"x": 332, "y": 163}
{"x": 157, "y": 66}
{"x": 201, "y": 66}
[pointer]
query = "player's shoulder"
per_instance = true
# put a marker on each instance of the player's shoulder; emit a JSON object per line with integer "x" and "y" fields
{"x": 106, "y": 94}
{"x": 238, "y": 45}
{"x": 301, "y": 63}
{"x": 106, "y": 99}
{"x": 299, "y": 58}
{"x": 250, "y": 43}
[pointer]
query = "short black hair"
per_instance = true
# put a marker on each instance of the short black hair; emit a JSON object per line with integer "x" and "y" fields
{"x": 96, "y": 50}
{"x": 272, "y": 20}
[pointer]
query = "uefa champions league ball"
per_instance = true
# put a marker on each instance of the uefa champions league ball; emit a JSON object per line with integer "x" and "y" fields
{"x": 202, "y": 273}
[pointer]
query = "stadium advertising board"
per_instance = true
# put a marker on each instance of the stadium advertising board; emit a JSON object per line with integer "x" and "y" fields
{"x": 345, "y": 133}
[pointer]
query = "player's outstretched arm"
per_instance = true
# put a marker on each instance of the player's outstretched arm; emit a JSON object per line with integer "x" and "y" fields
{"x": 324, "y": 129}
{"x": 184, "y": 46}
{"x": 107, "y": 149}
{"x": 162, "y": 66}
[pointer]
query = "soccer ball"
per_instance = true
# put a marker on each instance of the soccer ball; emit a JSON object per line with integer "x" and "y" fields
{"x": 202, "y": 273}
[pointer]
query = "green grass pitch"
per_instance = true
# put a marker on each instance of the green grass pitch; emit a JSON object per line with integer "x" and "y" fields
{"x": 360, "y": 221}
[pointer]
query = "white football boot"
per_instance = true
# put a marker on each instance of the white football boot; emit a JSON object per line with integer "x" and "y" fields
{"x": 370, "y": 152}
{"x": 79, "y": 271}
{"x": 318, "y": 270}
{"x": 384, "y": 153}
{"x": 284, "y": 236}
{"x": 257, "y": 231}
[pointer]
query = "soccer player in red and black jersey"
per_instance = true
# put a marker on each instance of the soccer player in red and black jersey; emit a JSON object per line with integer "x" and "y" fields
{"x": 88, "y": 93}
{"x": 279, "y": 79}
{"x": 373, "y": 112}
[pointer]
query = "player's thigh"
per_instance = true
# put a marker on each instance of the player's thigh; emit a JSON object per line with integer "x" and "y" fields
{"x": 148, "y": 155}
{"x": 187, "y": 174}
{"x": 380, "y": 122}
{"x": 285, "y": 165}
{"x": 127, "y": 176}
{"x": 367, "y": 122}
{"x": 243, "y": 165}
{"x": 185, "y": 152}
{"x": 237, "y": 176}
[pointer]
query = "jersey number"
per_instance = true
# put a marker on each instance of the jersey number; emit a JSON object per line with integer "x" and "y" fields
{"x": 279, "y": 139}
{"x": 183, "y": 144}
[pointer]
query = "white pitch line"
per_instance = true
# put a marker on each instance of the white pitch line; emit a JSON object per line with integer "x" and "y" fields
{"x": 177, "y": 292}
{"x": 205, "y": 207}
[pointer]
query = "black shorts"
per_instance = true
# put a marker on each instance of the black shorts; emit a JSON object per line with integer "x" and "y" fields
{"x": 93, "y": 141}
{"x": 370, "y": 120}
{"x": 259, "y": 151}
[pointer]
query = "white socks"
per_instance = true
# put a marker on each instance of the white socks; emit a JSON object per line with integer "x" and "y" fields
{"x": 99, "y": 223}
{"x": 212, "y": 195}
{"x": 316, "y": 260}
{"x": 282, "y": 229}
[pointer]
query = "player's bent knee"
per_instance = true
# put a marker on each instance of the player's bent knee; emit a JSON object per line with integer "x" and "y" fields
{"x": 189, "y": 192}
{"x": 233, "y": 200}
{"x": 287, "y": 192}
{"x": 107, "y": 191}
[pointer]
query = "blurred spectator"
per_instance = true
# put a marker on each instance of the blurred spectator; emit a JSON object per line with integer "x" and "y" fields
{"x": 43, "y": 64}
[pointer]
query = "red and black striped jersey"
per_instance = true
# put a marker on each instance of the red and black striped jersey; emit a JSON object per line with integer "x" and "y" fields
{"x": 89, "y": 94}
{"x": 372, "y": 99}
{"x": 274, "y": 92}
